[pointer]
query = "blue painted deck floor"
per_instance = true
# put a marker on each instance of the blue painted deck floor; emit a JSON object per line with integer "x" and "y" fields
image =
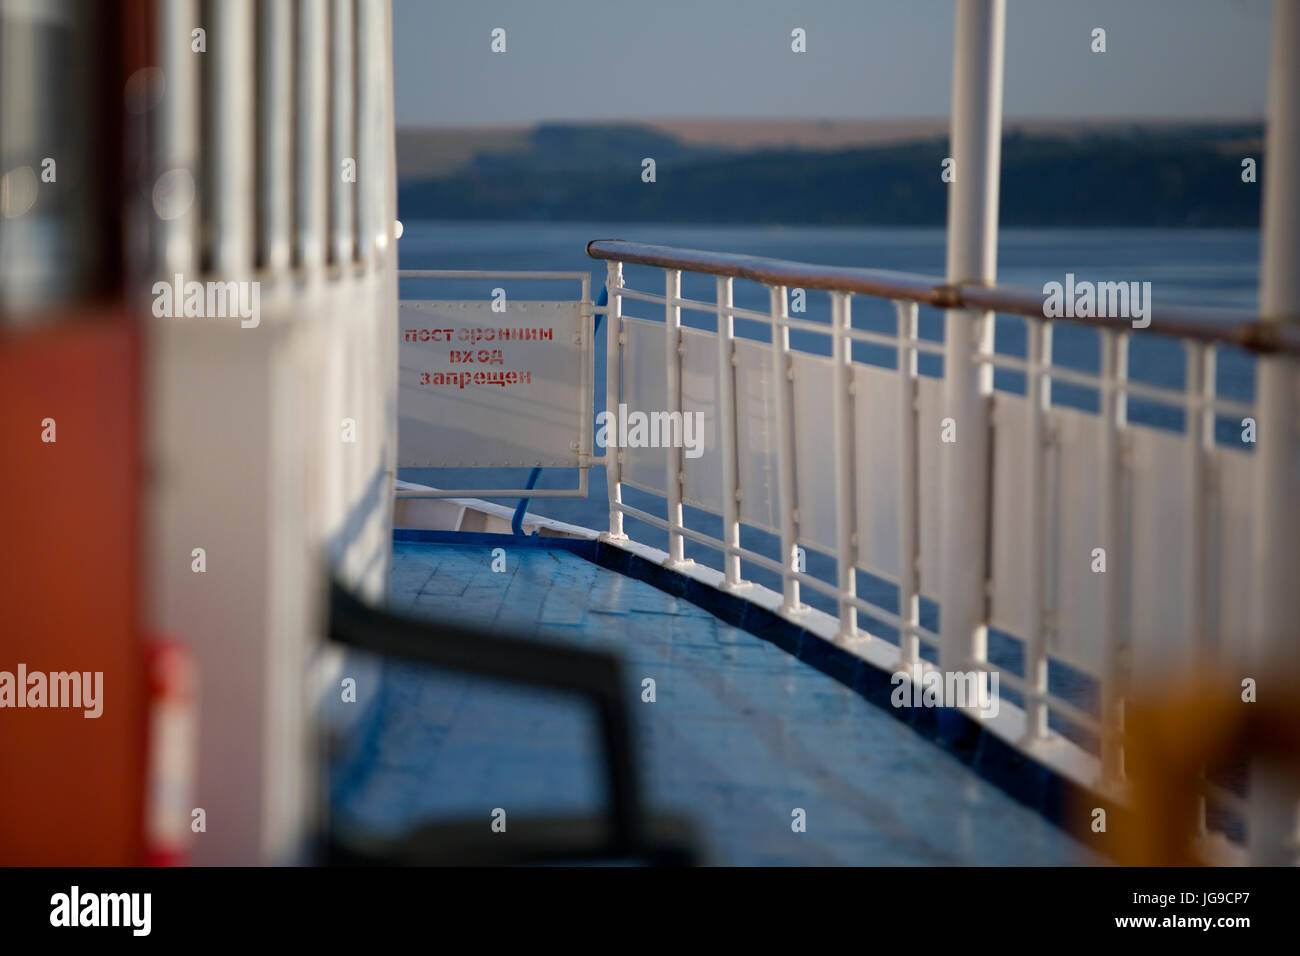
{"x": 740, "y": 734}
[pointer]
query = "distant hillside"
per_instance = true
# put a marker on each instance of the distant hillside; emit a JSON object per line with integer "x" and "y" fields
{"x": 1098, "y": 175}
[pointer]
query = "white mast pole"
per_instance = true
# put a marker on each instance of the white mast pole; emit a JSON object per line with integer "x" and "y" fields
{"x": 972, "y": 257}
{"x": 1274, "y": 830}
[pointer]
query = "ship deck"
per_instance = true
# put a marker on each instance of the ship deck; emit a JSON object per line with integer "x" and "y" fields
{"x": 739, "y": 735}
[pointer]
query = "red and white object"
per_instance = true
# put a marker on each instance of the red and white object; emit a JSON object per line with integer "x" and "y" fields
{"x": 173, "y": 741}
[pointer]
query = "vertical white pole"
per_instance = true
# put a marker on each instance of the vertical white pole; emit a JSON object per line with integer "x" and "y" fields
{"x": 1038, "y": 387}
{"x": 373, "y": 227}
{"x": 972, "y": 257}
{"x": 909, "y": 525}
{"x": 384, "y": 254}
{"x": 842, "y": 425}
{"x": 788, "y": 500}
{"x": 587, "y": 339}
{"x": 1114, "y": 415}
{"x": 378, "y": 337}
{"x": 726, "y": 431}
{"x": 673, "y": 365}
{"x": 313, "y": 135}
{"x": 275, "y": 123}
{"x": 179, "y": 137}
{"x": 1200, "y": 442}
{"x": 1274, "y": 827}
{"x": 613, "y": 383}
{"x": 233, "y": 130}
{"x": 343, "y": 133}
{"x": 1198, "y": 627}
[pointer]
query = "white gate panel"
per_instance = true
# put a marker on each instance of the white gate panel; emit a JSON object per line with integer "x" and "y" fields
{"x": 480, "y": 388}
{"x": 756, "y": 421}
{"x": 878, "y": 490}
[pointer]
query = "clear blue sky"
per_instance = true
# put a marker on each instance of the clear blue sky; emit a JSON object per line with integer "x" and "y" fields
{"x": 629, "y": 59}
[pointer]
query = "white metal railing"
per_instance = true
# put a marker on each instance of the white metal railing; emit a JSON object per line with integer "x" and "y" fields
{"x": 852, "y": 461}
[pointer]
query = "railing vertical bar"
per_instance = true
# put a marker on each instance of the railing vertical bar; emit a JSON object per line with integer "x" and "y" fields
{"x": 788, "y": 499}
{"x": 613, "y": 384}
{"x": 842, "y": 422}
{"x": 587, "y": 334}
{"x": 179, "y": 137}
{"x": 727, "y": 432}
{"x": 232, "y": 72}
{"x": 1114, "y": 411}
{"x": 1038, "y": 387}
{"x": 673, "y": 367}
{"x": 343, "y": 132}
{"x": 909, "y": 516}
{"x": 275, "y": 130}
{"x": 312, "y": 143}
{"x": 1209, "y": 490}
{"x": 374, "y": 227}
{"x": 1199, "y": 426}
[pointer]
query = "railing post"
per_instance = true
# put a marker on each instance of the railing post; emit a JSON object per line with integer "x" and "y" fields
{"x": 1038, "y": 391}
{"x": 232, "y": 72}
{"x": 587, "y": 341}
{"x": 972, "y": 257}
{"x": 846, "y": 539}
{"x": 374, "y": 223}
{"x": 275, "y": 152}
{"x": 1114, "y": 418}
{"x": 613, "y": 385}
{"x": 788, "y": 500}
{"x": 909, "y": 513}
{"x": 178, "y": 137}
{"x": 1274, "y": 825}
{"x": 312, "y": 143}
{"x": 1200, "y": 442}
{"x": 342, "y": 132}
{"x": 673, "y": 368}
{"x": 727, "y": 433}
{"x": 1199, "y": 626}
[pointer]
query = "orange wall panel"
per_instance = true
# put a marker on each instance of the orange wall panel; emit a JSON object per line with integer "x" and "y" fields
{"x": 72, "y": 787}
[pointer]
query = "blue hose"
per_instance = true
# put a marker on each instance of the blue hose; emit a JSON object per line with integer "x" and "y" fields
{"x": 517, "y": 522}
